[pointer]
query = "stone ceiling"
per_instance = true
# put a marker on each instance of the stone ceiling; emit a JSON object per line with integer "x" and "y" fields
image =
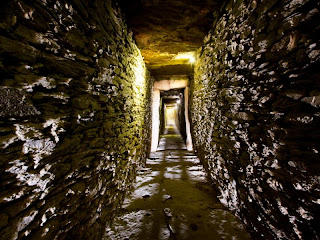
{"x": 164, "y": 28}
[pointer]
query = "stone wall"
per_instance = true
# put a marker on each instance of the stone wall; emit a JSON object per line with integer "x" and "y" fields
{"x": 74, "y": 117}
{"x": 255, "y": 114}
{"x": 181, "y": 120}
{"x": 161, "y": 117}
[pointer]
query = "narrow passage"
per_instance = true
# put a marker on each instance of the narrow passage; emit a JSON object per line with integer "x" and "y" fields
{"x": 172, "y": 199}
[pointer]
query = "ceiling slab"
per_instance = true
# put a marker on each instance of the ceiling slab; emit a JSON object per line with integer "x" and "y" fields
{"x": 164, "y": 28}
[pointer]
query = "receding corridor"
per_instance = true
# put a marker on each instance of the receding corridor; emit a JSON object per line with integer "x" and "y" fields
{"x": 173, "y": 199}
{"x": 159, "y": 119}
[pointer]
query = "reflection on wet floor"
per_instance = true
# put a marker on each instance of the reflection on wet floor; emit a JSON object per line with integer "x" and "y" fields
{"x": 172, "y": 199}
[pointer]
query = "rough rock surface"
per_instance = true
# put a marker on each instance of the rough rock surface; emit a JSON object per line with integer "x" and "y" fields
{"x": 255, "y": 115}
{"x": 74, "y": 117}
{"x": 164, "y": 28}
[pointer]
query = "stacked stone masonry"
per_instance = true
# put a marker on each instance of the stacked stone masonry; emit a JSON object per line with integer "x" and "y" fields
{"x": 74, "y": 117}
{"x": 255, "y": 114}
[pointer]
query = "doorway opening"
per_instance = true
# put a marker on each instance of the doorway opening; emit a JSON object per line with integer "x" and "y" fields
{"x": 172, "y": 111}
{"x": 170, "y": 108}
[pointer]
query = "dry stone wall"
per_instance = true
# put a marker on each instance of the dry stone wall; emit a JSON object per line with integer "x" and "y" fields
{"x": 255, "y": 114}
{"x": 181, "y": 120}
{"x": 74, "y": 117}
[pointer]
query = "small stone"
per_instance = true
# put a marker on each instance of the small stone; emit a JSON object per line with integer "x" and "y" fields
{"x": 166, "y": 197}
{"x": 167, "y": 212}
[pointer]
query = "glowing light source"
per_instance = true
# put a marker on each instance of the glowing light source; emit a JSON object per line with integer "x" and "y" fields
{"x": 186, "y": 56}
{"x": 192, "y": 59}
{"x": 170, "y": 116}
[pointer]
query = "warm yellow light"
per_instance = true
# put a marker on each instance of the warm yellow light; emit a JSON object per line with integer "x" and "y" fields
{"x": 139, "y": 80}
{"x": 186, "y": 56}
{"x": 170, "y": 115}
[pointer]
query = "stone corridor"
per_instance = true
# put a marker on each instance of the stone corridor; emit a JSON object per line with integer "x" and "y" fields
{"x": 86, "y": 88}
{"x": 173, "y": 199}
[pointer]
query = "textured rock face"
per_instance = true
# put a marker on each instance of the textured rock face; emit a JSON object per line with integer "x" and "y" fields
{"x": 255, "y": 115}
{"x": 74, "y": 117}
{"x": 164, "y": 28}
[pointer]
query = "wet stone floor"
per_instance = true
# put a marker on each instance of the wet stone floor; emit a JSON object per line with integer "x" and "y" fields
{"x": 172, "y": 199}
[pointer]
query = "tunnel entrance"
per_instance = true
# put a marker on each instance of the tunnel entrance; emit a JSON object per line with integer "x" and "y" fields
{"x": 170, "y": 97}
{"x": 172, "y": 111}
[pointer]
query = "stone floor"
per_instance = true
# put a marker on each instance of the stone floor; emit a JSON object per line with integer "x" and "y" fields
{"x": 172, "y": 199}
